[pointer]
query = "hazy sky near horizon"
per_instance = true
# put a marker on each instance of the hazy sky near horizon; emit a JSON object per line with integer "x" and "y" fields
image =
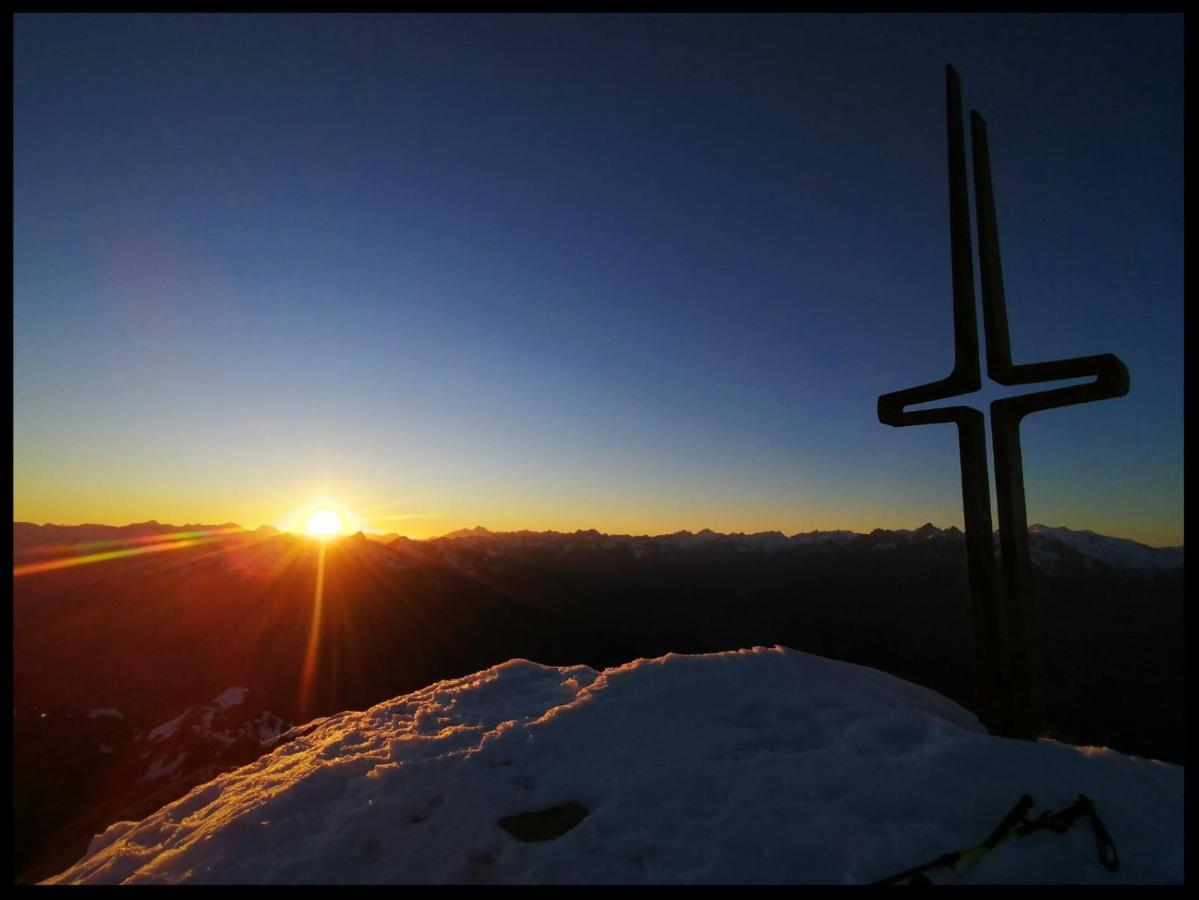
{"x": 635, "y": 273}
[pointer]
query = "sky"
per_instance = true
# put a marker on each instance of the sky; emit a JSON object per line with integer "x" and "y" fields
{"x": 632, "y": 273}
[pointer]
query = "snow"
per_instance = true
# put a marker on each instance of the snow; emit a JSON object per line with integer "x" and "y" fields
{"x": 762, "y": 765}
{"x": 231, "y": 697}
{"x": 268, "y": 728}
{"x": 162, "y": 766}
{"x": 224, "y": 738}
{"x": 110, "y": 834}
{"x": 164, "y": 731}
{"x": 1118, "y": 552}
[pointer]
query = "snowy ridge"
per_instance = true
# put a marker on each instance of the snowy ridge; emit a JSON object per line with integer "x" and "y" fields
{"x": 222, "y": 722}
{"x": 1046, "y": 545}
{"x": 1051, "y": 549}
{"x": 762, "y": 765}
{"x": 679, "y": 540}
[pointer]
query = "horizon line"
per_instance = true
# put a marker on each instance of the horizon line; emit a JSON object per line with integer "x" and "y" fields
{"x": 481, "y": 529}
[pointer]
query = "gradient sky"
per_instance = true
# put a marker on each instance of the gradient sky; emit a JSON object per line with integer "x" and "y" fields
{"x": 631, "y": 273}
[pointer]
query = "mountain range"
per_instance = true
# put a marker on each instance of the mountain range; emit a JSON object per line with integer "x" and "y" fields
{"x": 140, "y": 676}
{"x": 1050, "y": 545}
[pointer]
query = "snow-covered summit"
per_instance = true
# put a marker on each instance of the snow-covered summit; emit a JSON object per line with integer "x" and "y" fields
{"x": 762, "y": 765}
{"x": 1046, "y": 541}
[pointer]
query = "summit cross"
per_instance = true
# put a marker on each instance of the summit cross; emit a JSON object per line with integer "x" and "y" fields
{"x": 1002, "y": 610}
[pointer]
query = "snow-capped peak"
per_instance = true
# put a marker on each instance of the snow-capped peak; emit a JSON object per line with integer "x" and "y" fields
{"x": 1112, "y": 551}
{"x": 762, "y": 765}
{"x": 230, "y": 697}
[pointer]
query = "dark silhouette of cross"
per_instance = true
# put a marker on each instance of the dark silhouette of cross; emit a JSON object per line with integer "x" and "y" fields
{"x": 1002, "y": 610}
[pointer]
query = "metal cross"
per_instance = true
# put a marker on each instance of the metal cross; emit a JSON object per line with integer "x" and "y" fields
{"x": 1002, "y": 610}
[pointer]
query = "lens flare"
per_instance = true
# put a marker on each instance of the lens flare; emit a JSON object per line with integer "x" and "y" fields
{"x": 135, "y": 546}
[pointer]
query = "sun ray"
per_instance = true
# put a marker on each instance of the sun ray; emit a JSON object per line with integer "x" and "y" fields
{"x": 314, "y": 635}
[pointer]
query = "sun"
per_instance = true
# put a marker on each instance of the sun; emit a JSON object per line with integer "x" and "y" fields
{"x": 323, "y": 516}
{"x": 324, "y": 524}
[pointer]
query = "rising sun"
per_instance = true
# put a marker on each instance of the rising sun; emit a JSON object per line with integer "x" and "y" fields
{"x": 324, "y": 524}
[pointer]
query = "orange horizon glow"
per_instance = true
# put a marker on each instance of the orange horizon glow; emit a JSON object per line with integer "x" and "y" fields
{"x": 296, "y": 523}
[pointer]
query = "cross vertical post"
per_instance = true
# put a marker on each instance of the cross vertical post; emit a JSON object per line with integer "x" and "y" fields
{"x": 992, "y": 695}
{"x": 1003, "y": 612}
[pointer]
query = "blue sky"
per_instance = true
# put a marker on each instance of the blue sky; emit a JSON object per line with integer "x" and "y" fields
{"x": 625, "y": 272}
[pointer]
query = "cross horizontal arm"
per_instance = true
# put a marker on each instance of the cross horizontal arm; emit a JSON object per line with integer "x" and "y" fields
{"x": 891, "y": 407}
{"x": 965, "y": 376}
{"x": 1111, "y": 375}
{"x": 1112, "y": 381}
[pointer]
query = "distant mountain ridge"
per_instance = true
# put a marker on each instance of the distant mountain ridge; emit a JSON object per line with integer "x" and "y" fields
{"x": 1047, "y": 543}
{"x": 1084, "y": 541}
{"x": 1051, "y": 546}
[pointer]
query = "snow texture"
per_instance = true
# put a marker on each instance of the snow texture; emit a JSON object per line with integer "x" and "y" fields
{"x": 165, "y": 730}
{"x": 762, "y": 765}
{"x": 110, "y": 834}
{"x": 231, "y": 697}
